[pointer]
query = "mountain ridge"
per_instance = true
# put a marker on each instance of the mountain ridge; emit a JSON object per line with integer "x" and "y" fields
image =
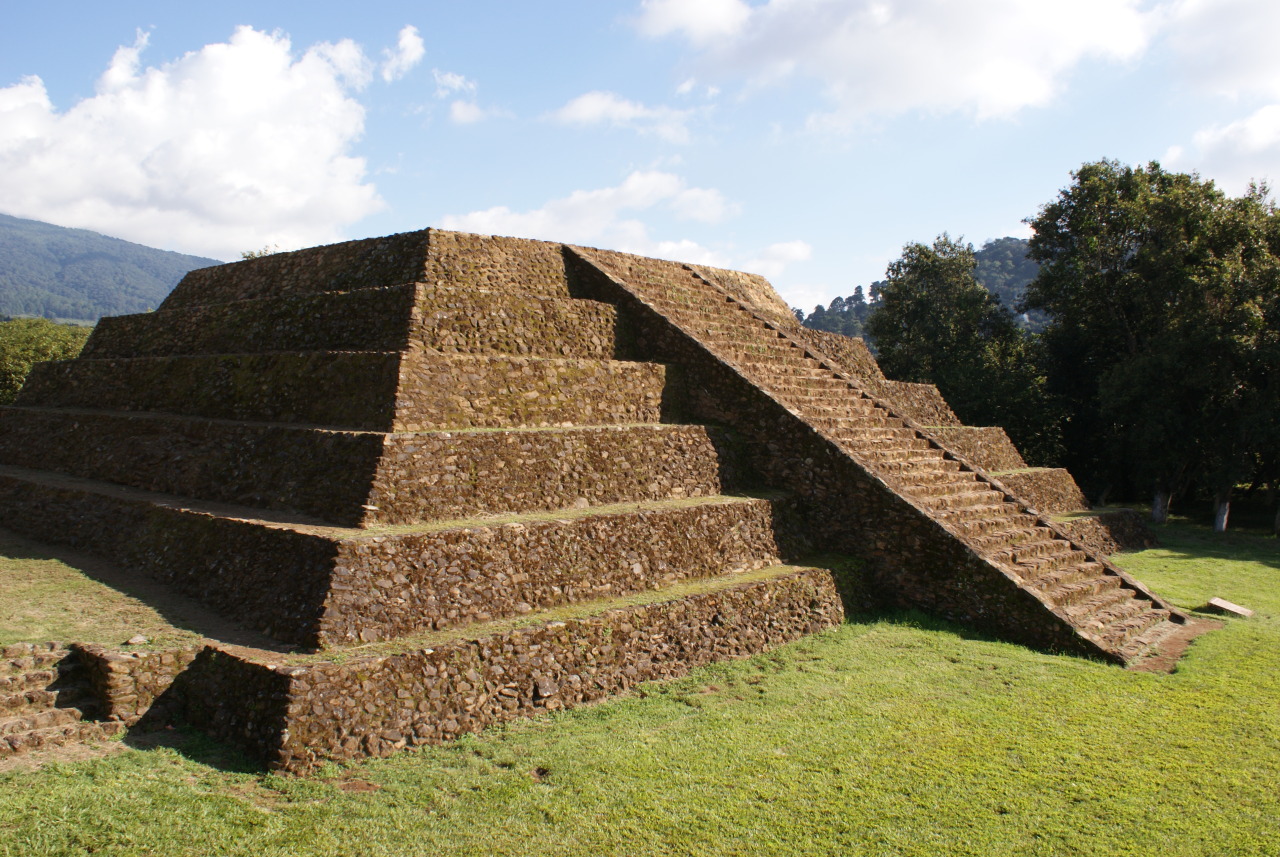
{"x": 67, "y": 274}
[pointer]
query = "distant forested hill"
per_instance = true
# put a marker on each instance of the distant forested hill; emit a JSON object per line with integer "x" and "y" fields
{"x": 1003, "y": 269}
{"x": 52, "y": 272}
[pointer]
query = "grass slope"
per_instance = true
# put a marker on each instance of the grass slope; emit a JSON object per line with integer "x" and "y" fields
{"x": 897, "y": 735}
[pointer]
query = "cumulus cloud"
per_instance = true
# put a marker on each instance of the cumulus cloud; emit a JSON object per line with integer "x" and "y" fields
{"x": 233, "y": 146}
{"x": 988, "y": 58}
{"x": 605, "y": 217}
{"x": 408, "y": 52}
{"x": 1227, "y": 47}
{"x": 462, "y": 110}
{"x": 700, "y": 21}
{"x": 1234, "y": 154}
{"x": 608, "y": 108}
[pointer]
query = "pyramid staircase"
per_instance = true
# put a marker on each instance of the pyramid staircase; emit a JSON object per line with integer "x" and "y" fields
{"x": 1101, "y": 610}
{"x": 463, "y": 479}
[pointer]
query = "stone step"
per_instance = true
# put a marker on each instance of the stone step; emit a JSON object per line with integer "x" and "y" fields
{"x": 13, "y": 704}
{"x": 370, "y": 391}
{"x": 1107, "y": 608}
{"x": 29, "y": 721}
{"x": 314, "y": 471}
{"x": 20, "y": 658}
{"x": 1150, "y": 638}
{"x": 380, "y": 699}
{"x": 436, "y": 257}
{"x": 320, "y": 586}
{"x": 1124, "y": 629}
{"x": 359, "y": 387}
{"x": 1079, "y": 591}
{"x": 468, "y": 321}
{"x": 444, "y": 475}
{"x": 79, "y": 732}
{"x": 365, "y": 319}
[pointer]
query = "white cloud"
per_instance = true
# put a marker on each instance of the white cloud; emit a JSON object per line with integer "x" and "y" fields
{"x": 234, "y": 146}
{"x": 700, "y": 21}
{"x": 448, "y": 83}
{"x": 771, "y": 261}
{"x": 603, "y": 217}
{"x": 1227, "y": 47}
{"x": 988, "y": 58}
{"x": 1234, "y": 154}
{"x": 466, "y": 112}
{"x": 408, "y": 52}
{"x": 597, "y": 108}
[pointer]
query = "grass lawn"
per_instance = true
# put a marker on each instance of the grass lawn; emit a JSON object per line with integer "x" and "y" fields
{"x": 888, "y": 736}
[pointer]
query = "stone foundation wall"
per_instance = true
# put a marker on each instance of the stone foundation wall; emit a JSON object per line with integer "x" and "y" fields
{"x": 359, "y": 388}
{"x": 493, "y": 263}
{"x": 369, "y": 263}
{"x": 302, "y": 715}
{"x": 127, "y": 684}
{"x": 397, "y": 585}
{"x": 361, "y": 320}
{"x": 437, "y": 392}
{"x": 446, "y": 475}
{"x": 1049, "y": 490}
{"x": 987, "y": 447}
{"x": 465, "y": 321}
{"x": 314, "y": 471}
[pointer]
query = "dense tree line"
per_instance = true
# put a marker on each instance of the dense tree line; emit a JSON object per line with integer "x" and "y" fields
{"x": 1157, "y": 371}
{"x": 27, "y": 341}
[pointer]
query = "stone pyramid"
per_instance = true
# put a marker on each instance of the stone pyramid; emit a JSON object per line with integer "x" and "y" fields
{"x": 467, "y": 478}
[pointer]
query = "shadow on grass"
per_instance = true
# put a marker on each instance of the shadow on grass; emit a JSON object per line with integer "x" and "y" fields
{"x": 180, "y": 611}
{"x": 1194, "y": 541}
{"x": 194, "y": 746}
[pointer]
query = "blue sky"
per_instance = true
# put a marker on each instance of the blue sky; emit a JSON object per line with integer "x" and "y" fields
{"x": 807, "y": 140}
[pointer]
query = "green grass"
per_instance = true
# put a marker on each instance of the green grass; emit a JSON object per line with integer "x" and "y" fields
{"x": 897, "y": 736}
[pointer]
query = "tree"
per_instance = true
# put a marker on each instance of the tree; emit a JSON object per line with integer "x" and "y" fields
{"x": 27, "y": 341}
{"x": 933, "y": 323}
{"x": 1161, "y": 292}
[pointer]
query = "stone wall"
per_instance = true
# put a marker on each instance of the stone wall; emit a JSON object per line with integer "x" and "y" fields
{"x": 458, "y": 576}
{"x": 375, "y": 319}
{"x": 297, "y": 715}
{"x": 1050, "y": 490}
{"x": 271, "y": 579}
{"x": 921, "y": 403}
{"x": 1110, "y": 530}
{"x": 487, "y": 262}
{"x": 466, "y": 391}
{"x": 987, "y": 447}
{"x": 369, "y": 263}
{"x": 443, "y": 475}
{"x": 359, "y": 388}
{"x": 851, "y": 355}
{"x": 751, "y": 289}
{"x": 267, "y": 466}
{"x": 127, "y": 684}
{"x": 462, "y": 321}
